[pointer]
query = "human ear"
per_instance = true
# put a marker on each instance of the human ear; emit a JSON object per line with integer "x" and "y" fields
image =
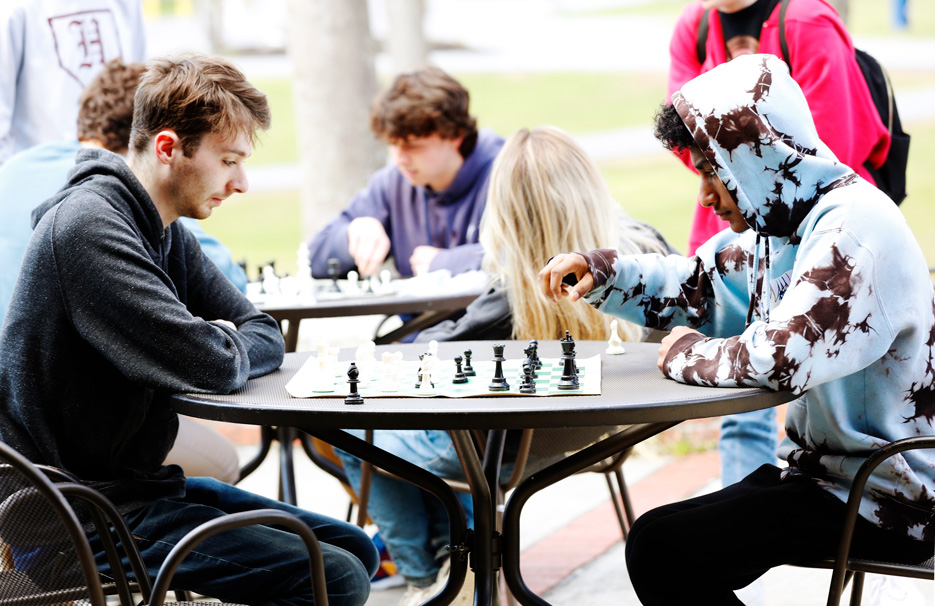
{"x": 166, "y": 144}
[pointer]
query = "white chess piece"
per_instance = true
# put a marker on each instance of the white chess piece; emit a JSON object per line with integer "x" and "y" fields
{"x": 426, "y": 369}
{"x": 433, "y": 347}
{"x": 615, "y": 343}
{"x": 386, "y": 285}
{"x": 324, "y": 375}
{"x": 353, "y": 287}
{"x": 270, "y": 281}
{"x": 390, "y": 367}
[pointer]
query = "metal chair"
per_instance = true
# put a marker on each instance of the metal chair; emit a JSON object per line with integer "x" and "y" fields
{"x": 47, "y": 559}
{"x": 846, "y": 567}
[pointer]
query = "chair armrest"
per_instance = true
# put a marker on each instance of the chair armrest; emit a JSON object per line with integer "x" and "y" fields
{"x": 239, "y": 520}
{"x": 856, "y": 492}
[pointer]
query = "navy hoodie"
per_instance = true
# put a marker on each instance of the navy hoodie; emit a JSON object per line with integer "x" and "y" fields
{"x": 111, "y": 314}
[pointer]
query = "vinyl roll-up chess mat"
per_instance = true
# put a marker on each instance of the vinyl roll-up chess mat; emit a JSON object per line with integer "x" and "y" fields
{"x": 317, "y": 379}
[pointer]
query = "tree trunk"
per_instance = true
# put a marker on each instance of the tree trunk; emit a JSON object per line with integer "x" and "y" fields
{"x": 334, "y": 83}
{"x": 405, "y": 41}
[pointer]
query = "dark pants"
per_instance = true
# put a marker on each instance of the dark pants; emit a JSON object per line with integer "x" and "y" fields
{"x": 700, "y": 550}
{"x": 256, "y": 564}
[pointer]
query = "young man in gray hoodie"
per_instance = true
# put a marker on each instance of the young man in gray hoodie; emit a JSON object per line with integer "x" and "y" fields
{"x": 117, "y": 308}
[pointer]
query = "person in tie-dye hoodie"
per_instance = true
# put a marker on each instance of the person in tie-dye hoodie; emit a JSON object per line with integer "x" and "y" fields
{"x": 820, "y": 289}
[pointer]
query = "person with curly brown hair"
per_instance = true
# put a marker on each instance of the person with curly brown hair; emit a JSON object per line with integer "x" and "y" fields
{"x": 424, "y": 209}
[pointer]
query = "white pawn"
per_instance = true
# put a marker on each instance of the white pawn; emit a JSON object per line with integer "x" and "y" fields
{"x": 615, "y": 343}
{"x": 270, "y": 281}
{"x": 389, "y": 373}
{"x": 352, "y": 285}
{"x": 386, "y": 285}
{"x": 433, "y": 348}
{"x": 324, "y": 376}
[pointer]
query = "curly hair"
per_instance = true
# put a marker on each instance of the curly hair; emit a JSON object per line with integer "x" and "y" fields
{"x": 423, "y": 103}
{"x": 105, "y": 110}
{"x": 670, "y": 130}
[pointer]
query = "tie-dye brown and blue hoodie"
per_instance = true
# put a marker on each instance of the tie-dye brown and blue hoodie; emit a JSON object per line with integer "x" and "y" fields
{"x": 827, "y": 296}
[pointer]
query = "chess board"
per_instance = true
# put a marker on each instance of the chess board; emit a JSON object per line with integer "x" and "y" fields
{"x": 373, "y": 385}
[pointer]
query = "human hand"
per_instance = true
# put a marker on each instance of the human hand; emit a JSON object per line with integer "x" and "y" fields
{"x": 552, "y": 277}
{"x": 226, "y": 323}
{"x": 421, "y": 258}
{"x": 368, "y": 244}
{"x": 669, "y": 340}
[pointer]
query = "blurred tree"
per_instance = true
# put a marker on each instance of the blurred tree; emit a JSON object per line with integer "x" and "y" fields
{"x": 405, "y": 40}
{"x": 334, "y": 83}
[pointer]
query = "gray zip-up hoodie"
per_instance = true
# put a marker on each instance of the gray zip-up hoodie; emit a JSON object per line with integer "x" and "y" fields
{"x": 112, "y": 314}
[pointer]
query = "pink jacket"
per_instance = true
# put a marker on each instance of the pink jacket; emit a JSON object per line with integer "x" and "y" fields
{"x": 823, "y": 64}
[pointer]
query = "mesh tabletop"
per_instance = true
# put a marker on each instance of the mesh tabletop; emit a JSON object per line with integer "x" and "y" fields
{"x": 632, "y": 391}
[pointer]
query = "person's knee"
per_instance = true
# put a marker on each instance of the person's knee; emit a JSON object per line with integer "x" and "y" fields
{"x": 648, "y": 549}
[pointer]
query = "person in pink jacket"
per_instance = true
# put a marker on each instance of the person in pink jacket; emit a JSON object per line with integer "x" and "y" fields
{"x": 822, "y": 63}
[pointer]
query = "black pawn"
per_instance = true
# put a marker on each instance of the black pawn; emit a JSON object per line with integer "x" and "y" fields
{"x": 498, "y": 383}
{"x": 468, "y": 369}
{"x": 333, "y": 266}
{"x": 419, "y": 380}
{"x": 354, "y": 396}
{"x": 529, "y": 382}
{"x": 569, "y": 378}
{"x": 459, "y": 373}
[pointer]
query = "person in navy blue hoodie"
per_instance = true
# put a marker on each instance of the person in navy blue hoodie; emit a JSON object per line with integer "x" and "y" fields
{"x": 424, "y": 209}
{"x": 117, "y": 308}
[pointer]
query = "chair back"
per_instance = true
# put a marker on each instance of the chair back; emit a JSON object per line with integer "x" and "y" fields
{"x": 47, "y": 558}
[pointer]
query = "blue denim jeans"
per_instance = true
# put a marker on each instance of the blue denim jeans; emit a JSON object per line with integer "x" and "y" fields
{"x": 412, "y": 522}
{"x": 256, "y": 565}
{"x": 748, "y": 440}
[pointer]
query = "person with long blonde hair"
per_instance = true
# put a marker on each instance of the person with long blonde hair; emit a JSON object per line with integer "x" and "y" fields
{"x": 545, "y": 194}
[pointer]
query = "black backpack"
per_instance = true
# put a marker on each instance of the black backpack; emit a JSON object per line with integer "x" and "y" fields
{"x": 891, "y": 176}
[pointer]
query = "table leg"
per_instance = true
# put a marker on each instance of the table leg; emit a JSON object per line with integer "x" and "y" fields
{"x": 461, "y": 536}
{"x": 286, "y": 437}
{"x": 546, "y": 477}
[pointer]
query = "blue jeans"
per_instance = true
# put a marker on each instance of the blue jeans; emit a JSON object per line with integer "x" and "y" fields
{"x": 256, "y": 565}
{"x": 412, "y": 522}
{"x": 748, "y": 440}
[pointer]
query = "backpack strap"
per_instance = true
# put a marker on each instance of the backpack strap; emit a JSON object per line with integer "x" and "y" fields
{"x": 783, "y": 44}
{"x": 702, "y": 39}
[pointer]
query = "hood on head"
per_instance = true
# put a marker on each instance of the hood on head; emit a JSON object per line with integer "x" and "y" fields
{"x": 752, "y": 123}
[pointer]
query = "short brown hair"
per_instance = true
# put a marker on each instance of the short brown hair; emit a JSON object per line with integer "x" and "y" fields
{"x": 423, "y": 103}
{"x": 194, "y": 95}
{"x": 105, "y": 110}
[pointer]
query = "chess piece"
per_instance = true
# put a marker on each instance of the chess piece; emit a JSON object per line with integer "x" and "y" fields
{"x": 615, "y": 343}
{"x": 498, "y": 382}
{"x": 468, "y": 369}
{"x": 569, "y": 379}
{"x": 459, "y": 377}
{"x": 352, "y": 286}
{"x": 529, "y": 382}
{"x": 270, "y": 281}
{"x": 390, "y": 368}
{"x": 333, "y": 266}
{"x": 386, "y": 286}
{"x": 426, "y": 370}
{"x": 353, "y": 397}
{"x": 530, "y": 353}
{"x": 419, "y": 378}
{"x": 534, "y": 346}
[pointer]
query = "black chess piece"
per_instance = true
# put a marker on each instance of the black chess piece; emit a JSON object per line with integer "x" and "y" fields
{"x": 498, "y": 382}
{"x": 419, "y": 379}
{"x": 459, "y": 377}
{"x": 353, "y": 397}
{"x": 569, "y": 378}
{"x": 530, "y": 359}
{"x": 529, "y": 382}
{"x": 333, "y": 267}
{"x": 534, "y": 345}
{"x": 468, "y": 369}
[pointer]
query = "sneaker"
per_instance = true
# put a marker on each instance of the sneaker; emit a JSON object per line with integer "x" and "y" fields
{"x": 465, "y": 596}
{"x": 887, "y": 590}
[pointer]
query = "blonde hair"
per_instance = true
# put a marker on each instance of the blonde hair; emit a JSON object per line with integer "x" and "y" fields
{"x": 546, "y": 196}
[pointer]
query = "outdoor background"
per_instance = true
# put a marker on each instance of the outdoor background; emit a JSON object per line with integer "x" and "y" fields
{"x": 608, "y": 95}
